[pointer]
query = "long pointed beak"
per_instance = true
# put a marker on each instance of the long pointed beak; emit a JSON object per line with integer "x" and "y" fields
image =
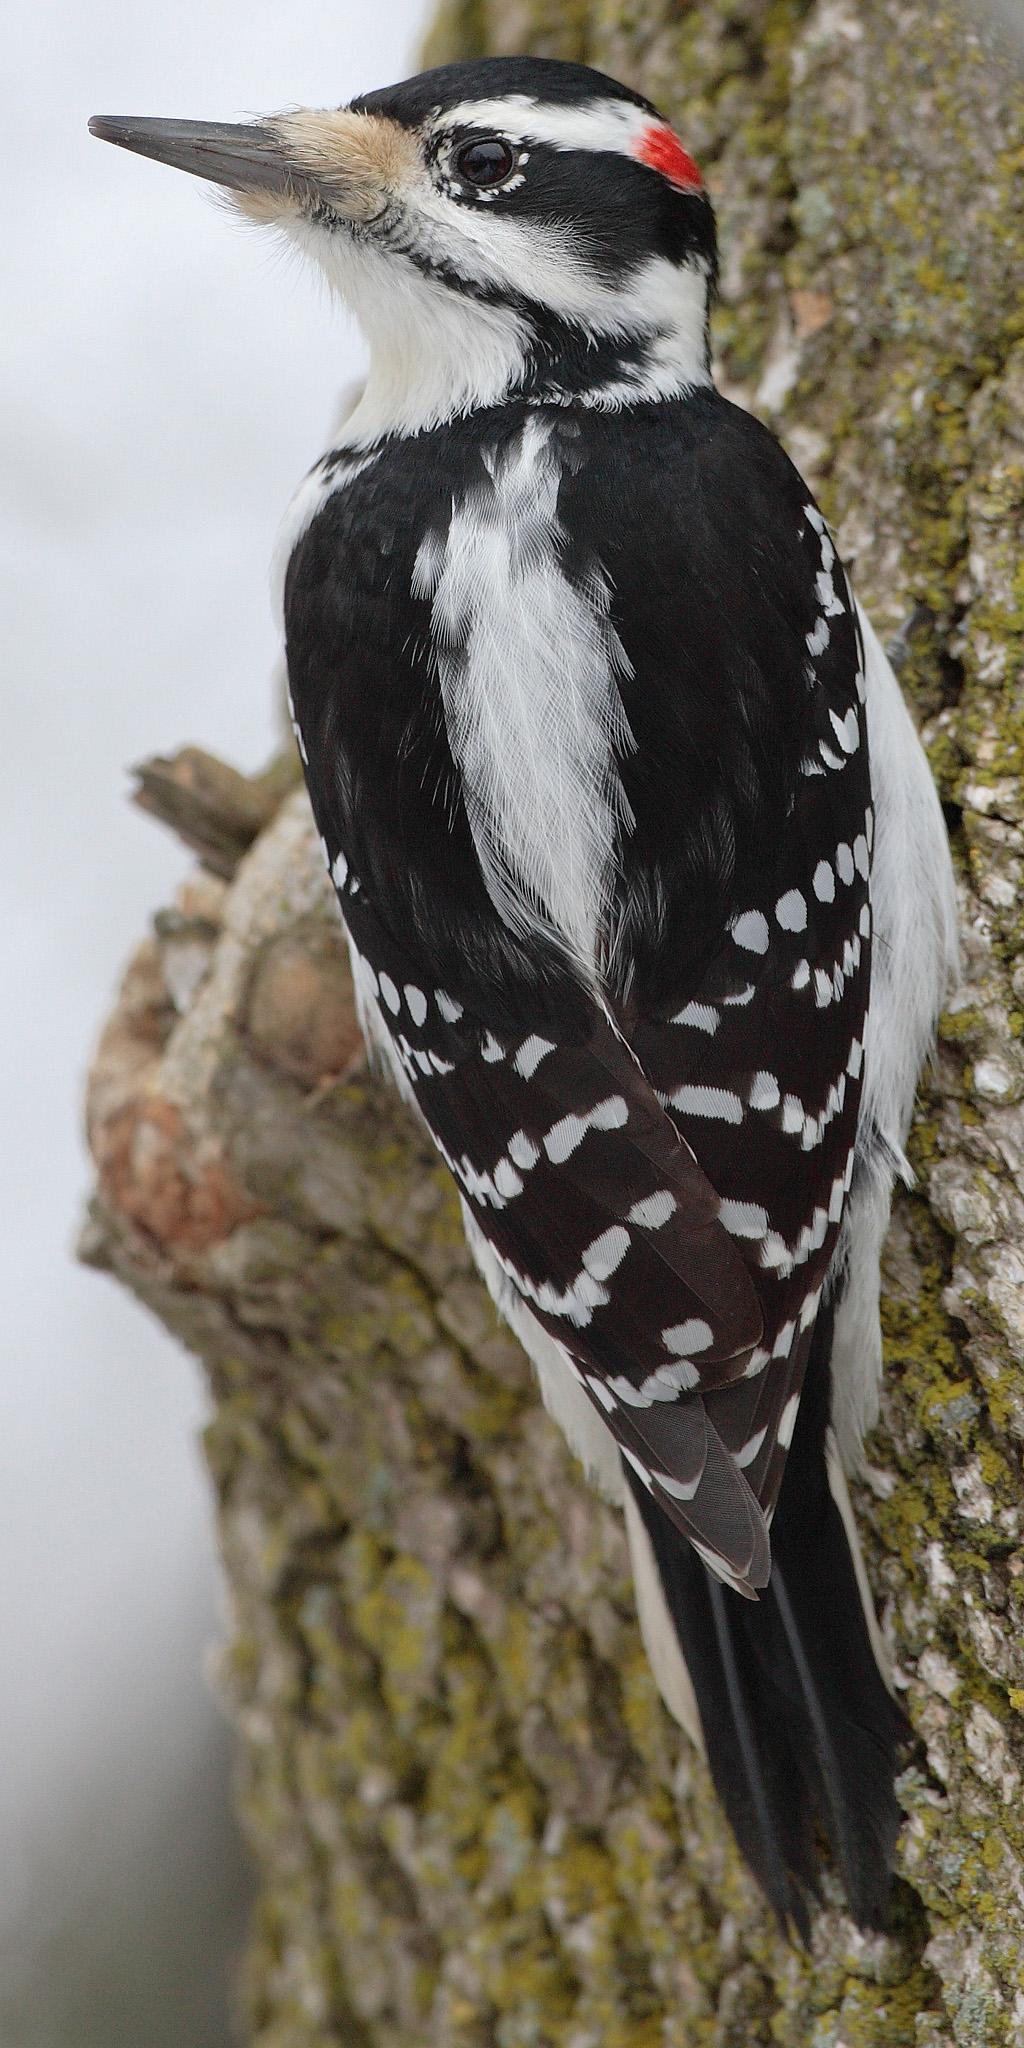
{"x": 243, "y": 158}
{"x": 353, "y": 163}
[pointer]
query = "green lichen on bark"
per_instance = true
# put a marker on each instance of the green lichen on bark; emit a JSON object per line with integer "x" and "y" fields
{"x": 475, "y": 1823}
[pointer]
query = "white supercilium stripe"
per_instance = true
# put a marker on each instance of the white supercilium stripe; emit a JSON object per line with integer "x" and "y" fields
{"x": 528, "y": 666}
{"x": 614, "y": 125}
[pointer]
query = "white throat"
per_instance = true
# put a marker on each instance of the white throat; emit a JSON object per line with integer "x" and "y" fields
{"x": 437, "y": 353}
{"x": 434, "y": 354}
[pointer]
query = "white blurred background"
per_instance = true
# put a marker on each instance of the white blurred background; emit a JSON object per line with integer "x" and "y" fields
{"x": 166, "y": 379}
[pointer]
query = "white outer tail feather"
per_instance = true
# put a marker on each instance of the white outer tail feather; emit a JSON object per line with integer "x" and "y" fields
{"x": 915, "y": 961}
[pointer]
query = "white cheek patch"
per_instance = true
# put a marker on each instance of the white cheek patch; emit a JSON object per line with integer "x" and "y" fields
{"x": 663, "y": 300}
{"x": 533, "y": 257}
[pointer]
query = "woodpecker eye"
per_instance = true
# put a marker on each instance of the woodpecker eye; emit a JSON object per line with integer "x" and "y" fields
{"x": 484, "y": 163}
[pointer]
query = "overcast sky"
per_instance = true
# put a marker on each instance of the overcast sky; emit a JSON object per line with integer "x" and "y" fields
{"x": 167, "y": 377}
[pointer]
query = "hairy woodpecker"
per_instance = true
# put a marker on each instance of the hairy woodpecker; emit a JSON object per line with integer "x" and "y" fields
{"x": 643, "y": 872}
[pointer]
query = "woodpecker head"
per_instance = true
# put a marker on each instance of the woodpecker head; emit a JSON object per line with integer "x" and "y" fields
{"x": 510, "y": 226}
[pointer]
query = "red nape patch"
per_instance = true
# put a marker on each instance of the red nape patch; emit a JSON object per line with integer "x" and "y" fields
{"x": 663, "y": 151}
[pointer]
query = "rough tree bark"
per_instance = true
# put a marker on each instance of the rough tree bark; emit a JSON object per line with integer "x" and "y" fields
{"x": 475, "y": 1824}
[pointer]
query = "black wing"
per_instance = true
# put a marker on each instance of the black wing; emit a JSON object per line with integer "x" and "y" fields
{"x": 599, "y": 1215}
{"x": 751, "y": 790}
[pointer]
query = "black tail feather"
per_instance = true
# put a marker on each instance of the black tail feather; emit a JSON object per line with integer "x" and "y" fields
{"x": 758, "y": 1825}
{"x": 799, "y": 1726}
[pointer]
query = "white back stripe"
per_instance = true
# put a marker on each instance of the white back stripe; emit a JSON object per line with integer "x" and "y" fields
{"x": 528, "y": 666}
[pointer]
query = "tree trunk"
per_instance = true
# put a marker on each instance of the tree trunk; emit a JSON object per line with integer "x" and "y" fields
{"x": 475, "y": 1824}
